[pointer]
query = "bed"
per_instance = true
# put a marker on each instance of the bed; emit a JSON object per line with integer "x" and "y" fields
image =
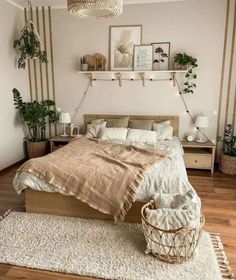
{"x": 168, "y": 177}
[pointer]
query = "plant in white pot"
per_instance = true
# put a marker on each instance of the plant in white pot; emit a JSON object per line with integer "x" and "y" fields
{"x": 228, "y": 157}
{"x": 29, "y": 46}
{"x": 35, "y": 115}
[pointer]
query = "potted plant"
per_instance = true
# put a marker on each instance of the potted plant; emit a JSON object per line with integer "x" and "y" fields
{"x": 228, "y": 157}
{"x": 83, "y": 64}
{"x": 29, "y": 46}
{"x": 35, "y": 116}
{"x": 183, "y": 61}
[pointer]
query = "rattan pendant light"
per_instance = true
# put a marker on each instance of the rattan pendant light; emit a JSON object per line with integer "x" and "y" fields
{"x": 95, "y": 8}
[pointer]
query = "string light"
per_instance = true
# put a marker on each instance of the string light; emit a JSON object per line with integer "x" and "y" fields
{"x": 187, "y": 111}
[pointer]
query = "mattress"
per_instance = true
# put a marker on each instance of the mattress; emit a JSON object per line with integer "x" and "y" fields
{"x": 168, "y": 176}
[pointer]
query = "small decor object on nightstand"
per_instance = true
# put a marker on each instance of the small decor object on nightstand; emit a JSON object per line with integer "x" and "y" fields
{"x": 201, "y": 122}
{"x": 190, "y": 138}
{"x": 65, "y": 119}
{"x": 74, "y": 131}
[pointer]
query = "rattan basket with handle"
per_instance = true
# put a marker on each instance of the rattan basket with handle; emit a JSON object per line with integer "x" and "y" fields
{"x": 172, "y": 246}
{"x": 228, "y": 164}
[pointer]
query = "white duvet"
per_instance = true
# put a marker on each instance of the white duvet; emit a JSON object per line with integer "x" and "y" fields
{"x": 168, "y": 176}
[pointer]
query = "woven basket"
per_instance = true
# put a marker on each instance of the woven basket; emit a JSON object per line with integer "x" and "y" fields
{"x": 178, "y": 66}
{"x": 37, "y": 149}
{"x": 172, "y": 246}
{"x": 228, "y": 164}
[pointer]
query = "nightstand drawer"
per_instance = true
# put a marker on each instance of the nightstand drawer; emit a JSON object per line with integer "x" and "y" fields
{"x": 201, "y": 161}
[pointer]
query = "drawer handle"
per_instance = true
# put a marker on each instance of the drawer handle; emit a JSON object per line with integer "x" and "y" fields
{"x": 196, "y": 161}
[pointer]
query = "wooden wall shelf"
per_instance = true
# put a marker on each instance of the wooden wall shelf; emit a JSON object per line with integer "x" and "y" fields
{"x": 130, "y": 75}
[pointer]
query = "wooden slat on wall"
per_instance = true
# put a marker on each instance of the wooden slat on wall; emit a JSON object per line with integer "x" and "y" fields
{"x": 227, "y": 100}
{"x": 41, "y": 75}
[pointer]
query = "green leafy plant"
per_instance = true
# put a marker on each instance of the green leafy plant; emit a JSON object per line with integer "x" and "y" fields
{"x": 190, "y": 62}
{"x": 229, "y": 141}
{"x": 29, "y": 46}
{"x": 35, "y": 116}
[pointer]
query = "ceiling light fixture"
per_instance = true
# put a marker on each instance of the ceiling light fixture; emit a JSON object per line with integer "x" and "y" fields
{"x": 95, "y": 8}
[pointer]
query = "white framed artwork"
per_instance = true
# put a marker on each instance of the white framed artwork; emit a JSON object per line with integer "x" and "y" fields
{"x": 161, "y": 56}
{"x": 122, "y": 40}
{"x": 143, "y": 57}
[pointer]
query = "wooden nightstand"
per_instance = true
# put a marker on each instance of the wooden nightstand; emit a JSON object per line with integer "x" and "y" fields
{"x": 199, "y": 155}
{"x": 57, "y": 142}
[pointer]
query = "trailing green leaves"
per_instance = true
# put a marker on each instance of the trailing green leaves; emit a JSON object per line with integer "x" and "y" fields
{"x": 229, "y": 141}
{"x": 190, "y": 63}
{"x": 36, "y": 115}
{"x": 29, "y": 46}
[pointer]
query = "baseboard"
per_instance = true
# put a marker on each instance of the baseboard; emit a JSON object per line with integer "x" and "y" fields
{"x": 4, "y": 170}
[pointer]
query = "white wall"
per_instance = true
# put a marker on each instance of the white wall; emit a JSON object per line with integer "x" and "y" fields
{"x": 195, "y": 26}
{"x": 11, "y": 132}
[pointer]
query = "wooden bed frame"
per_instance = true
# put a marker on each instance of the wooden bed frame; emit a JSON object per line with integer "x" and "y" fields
{"x": 57, "y": 204}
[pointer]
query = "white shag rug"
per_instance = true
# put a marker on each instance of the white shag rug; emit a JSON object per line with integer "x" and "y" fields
{"x": 94, "y": 248}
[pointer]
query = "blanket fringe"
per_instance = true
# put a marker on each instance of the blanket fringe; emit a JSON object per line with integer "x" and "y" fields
{"x": 225, "y": 269}
{"x": 3, "y": 216}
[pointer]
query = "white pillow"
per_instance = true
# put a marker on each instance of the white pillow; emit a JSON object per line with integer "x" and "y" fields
{"x": 163, "y": 131}
{"x": 141, "y": 136}
{"x": 113, "y": 133}
{"x": 93, "y": 130}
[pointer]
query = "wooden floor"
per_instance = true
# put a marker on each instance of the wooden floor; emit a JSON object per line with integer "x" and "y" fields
{"x": 218, "y": 194}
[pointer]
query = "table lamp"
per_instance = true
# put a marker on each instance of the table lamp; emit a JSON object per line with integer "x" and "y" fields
{"x": 64, "y": 119}
{"x": 201, "y": 122}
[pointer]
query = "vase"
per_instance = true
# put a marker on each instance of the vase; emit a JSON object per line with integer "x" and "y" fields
{"x": 84, "y": 67}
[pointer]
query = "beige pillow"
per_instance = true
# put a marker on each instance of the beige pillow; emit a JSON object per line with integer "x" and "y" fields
{"x": 122, "y": 122}
{"x": 97, "y": 121}
{"x": 141, "y": 124}
{"x": 93, "y": 130}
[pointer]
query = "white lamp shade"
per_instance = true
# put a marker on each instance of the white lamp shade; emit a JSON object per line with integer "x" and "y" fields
{"x": 65, "y": 118}
{"x": 202, "y": 122}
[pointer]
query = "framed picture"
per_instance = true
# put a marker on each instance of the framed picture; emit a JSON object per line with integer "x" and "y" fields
{"x": 122, "y": 39}
{"x": 143, "y": 57}
{"x": 74, "y": 130}
{"x": 161, "y": 56}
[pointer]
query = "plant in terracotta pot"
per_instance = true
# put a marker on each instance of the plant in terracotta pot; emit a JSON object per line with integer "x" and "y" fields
{"x": 228, "y": 157}
{"x": 29, "y": 46}
{"x": 183, "y": 61}
{"x": 35, "y": 115}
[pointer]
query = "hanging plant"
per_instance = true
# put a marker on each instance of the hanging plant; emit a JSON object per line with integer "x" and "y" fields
{"x": 187, "y": 62}
{"x": 29, "y": 46}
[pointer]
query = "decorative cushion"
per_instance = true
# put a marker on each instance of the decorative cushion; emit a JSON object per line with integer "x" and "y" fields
{"x": 164, "y": 132}
{"x": 166, "y": 123}
{"x": 141, "y": 136}
{"x": 97, "y": 121}
{"x": 93, "y": 130}
{"x": 113, "y": 133}
{"x": 122, "y": 122}
{"x": 141, "y": 124}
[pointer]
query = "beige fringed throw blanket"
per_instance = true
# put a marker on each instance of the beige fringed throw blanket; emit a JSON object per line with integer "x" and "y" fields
{"x": 102, "y": 174}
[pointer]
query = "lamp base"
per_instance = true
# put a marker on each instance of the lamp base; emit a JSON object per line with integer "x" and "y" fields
{"x": 200, "y": 141}
{"x": 64, "y": 135}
